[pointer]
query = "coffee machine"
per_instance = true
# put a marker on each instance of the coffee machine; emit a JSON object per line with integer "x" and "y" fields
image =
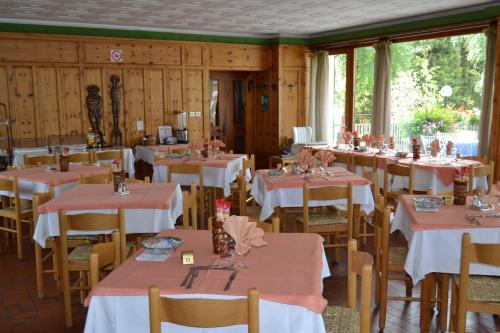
{"x": 181, "y": 131}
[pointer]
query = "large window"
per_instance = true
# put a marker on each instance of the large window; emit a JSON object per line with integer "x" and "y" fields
{"x": 337, "y": 102}
{"x": 363, "y": 95}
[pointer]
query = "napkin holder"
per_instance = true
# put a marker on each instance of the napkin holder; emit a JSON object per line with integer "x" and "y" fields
{"x": 187, "y": 257}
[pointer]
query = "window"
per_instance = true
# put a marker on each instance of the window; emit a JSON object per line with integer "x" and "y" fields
{"x": 363, "y": 96}
{"x": 337, "y": 100}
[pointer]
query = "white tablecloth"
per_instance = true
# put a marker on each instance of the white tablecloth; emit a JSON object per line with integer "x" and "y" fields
{"x": 293, "y": 197}
{"x": 214, "y": 177}
{"x": 28, "y": 187}
{"x": 438, "y": 250}
{"x": 136, "y": 220}
{"x": 130, "y": 314}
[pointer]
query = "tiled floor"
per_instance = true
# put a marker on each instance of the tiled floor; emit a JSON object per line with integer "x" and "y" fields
{"x": 22, "y": 311}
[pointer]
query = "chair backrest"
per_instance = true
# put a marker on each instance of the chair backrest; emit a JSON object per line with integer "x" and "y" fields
{"x": 391, "y": 169}
{"x": 146, "y": 180}
{"x": 273, "y": 227}
{"x": 344, "y": 158}
{"x": 39, "y": 160}
{"x": 109, "y": 155}
{"x": 190, "y": 209}
{"x": 84, "y": 158}
{"x": 302, "y": 134}
{"x": 368, "y": 162}
{"x": 11, "y": 186}
{"x": 104, "y": 255}
{"x": 39, "y": 198}
{"x": 382, "y": 233}
{"x": 359, "y": 264}
{"x": 92, "y": 222}
{"x": 186, "y": 169}
{"x": 203, "y": 313}
{"x": 328, "y": 193}
{"x": 250, "y": 164}
{"x": 106, "y": 178}
{"x": 481, "y": 171}
{"x": 483, "y": 159}
{"x": 374, "y": 178}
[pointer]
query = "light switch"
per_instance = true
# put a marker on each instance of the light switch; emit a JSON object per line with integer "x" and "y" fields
{"x": 198, "y": 114}
{"x": 192, "y": 114}
{"x": 140, "y": 125}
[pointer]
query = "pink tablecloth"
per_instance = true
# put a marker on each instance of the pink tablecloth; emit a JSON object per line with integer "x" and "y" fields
{"x": 444, "y": 172}
{"x": 289, "y": 180}
{"x": 221, "y": 162}
{"x": 448, "y": 217}
{"x": 54, "y": 178}
{"x": 99, "y": 196}
{"x": 287, "y": 270}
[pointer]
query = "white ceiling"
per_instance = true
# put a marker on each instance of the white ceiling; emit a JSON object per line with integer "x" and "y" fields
{"x": 241, "y": 17}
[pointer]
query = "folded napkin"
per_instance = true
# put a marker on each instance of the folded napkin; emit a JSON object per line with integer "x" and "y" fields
{"x": 305, "y": 159}
{"x": 381, "y": 140}
{"x": 197, "y": 145}
{"x": 347, "y": 136}
{"x": 324, "y": 157}
{"x": 369, "y": 139}
{"x": 216, "y": 144}
{"x": 243, "y": 231}
{"x": 435, "y": 148}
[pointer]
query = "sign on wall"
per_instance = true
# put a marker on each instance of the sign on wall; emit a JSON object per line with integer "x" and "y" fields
{"x": 116, "y": 56}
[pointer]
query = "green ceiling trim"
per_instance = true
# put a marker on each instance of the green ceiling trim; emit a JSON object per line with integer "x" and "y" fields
{"x": 487, "y": 13}
{"x": 140, "y": 34}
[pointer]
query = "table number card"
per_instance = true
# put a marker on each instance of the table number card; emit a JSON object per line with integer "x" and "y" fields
{"x": 187, "y": 257}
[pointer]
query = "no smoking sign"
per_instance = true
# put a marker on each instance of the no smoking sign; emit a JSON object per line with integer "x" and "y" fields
{"x": 116, "y": 56}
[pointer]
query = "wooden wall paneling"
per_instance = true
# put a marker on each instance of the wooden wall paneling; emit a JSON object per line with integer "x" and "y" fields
{"x": 193, "y": 55}
{"x": 250, "y": 112}
{"x": 70, "y": 111}
{"x": 47, "y": 102}
{"x": 239, "y": 56}
{"x": 154, "y": 102}
{"x": 174, "y": 94}
{"x": 107, "y": 110}
{"x": 194, "y": 102}
{"x": 22, "y": 102}
{"x": 92, "y": 76}
{"x": 205, "y": 53}
{"x": 133, "y": 52}
{"x": 34, "y": 51}
{"x": 4, "y": 99}
{"x": 293, "y": 56}
{"x": 133, "y": 84}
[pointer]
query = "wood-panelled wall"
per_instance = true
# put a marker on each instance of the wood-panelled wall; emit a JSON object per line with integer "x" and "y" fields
{"x": 43, "y": 80}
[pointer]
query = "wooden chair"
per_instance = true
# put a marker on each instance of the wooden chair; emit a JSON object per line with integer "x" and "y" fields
{"x": 328, "y": 223}
{"x": 203, "y": 313}
{"x": 108, "y": 156}
{"x": 13, "y": 213}
{"x": 367, "y": 162}
{"x": 483, "y": 159}
{"x": 31, "y": 161}
{"x": 481, "y": 171}
{"x": 80, "y": 158}
{"x": 477, "y": 293}
{"x": 79, "y": 258}
{"x": 189, "y": 169}
{"x": 189, "y": 209}
{"x": 104, "y": 256}
{"x": 341, "y": 319}
{"x": 106, "y": 178}
{"x": 343, "y": 158}
{"x": 366, "y": 219}
{"x": 390, "y": 197}
{"x": 273, "y": 227}
{"x": 243, "y": 196}
{"x": 146, "y": 180}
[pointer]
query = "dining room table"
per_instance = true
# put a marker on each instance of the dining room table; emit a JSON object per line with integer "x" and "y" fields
{"x": 218, "y": 171}
{"x": 288, "y": 273}
{"x": 285, "y": 189}
{"x": 434, "y": 240}
{"x": 149, "y": 208}
{"x": 40, "y": 179}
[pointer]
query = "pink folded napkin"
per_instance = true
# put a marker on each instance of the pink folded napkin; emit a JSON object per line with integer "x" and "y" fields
{"x": 369, "y": 139}
{"x": 435, "y": 148}
{"x": 217, "y": 144}
{"x": 243, "y": 231}
{"x": 325, "y": 157}
{"x": 305, "y": 159}
{"x": 197, "y": 145}
{"x": 381, "y": 140}
{"x": 347, "y": 136}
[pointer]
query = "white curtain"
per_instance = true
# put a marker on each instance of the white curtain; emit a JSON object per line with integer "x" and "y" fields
{"x": 381, "y": 112}
{"x": 487, "y": 102}
{"x": 318, "y": 97}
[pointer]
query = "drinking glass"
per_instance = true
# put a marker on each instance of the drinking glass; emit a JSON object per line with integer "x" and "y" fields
{"x": 242, "y": 249}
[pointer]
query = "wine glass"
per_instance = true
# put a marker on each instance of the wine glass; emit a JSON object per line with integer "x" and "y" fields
{"x": 242, "y": 249}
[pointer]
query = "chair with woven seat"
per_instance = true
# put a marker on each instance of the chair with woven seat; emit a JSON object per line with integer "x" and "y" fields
{"x": 189, "y": 209}
{"x": 483, "y": 159}
{"x": 327, "y": 222}
{"x": 104, "y": 256}
{"x": 481, "y": 171}
{"x": 146, "y": 180}
{"x": 348, "y": 319}
{"x": 106, "y": 157}
{"x": 367, "y": 218}
{"x": 105, "y": 178}
{"x": 345, "y": 159}
{"x": 14, "y": 214}
{"x": 32, "y": 161}
{"x": 197, "y": 171}
{"x": 393, "y": 170}
{"x": 78, "y": 260}
{"x": 273, "y": 227}
{"x": 367, "y": 163}
{"x": 79, "y": 158}
{"x": 240, "y": 189}
{"x": 203, "y": 313}
{"x": 474, "y": 292}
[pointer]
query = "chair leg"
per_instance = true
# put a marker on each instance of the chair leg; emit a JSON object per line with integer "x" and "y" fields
{"x": 443, "y": 301}
{"x": 19, "y": 239}
{"x": 382, "y": 305}
{"x": 83, "y": 284}
{"x": 39, "y": 271}
{"x": 461, "y": 314}
{"x": 409, "y": 286}
{"x": 453, "y": 307}
{"x": 67, "y": 298}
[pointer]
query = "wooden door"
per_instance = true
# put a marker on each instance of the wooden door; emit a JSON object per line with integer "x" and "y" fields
{"x": 228, "y": 95}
